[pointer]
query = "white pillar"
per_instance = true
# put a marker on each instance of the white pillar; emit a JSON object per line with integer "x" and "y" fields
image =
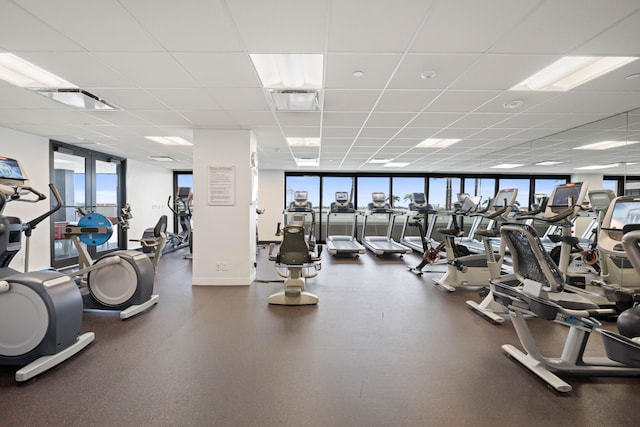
{"x": 593, "y": 180}
{"x": 224, "y": 217}
{"x": 271, "y": 199}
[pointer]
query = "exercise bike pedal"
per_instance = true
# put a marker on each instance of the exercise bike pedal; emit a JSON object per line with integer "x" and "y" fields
{"x": 415, "y": 271}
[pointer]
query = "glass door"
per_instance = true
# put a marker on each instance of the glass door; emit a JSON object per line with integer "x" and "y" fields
{"x": 106, "y": 201}
{"x": 87, "y": 182}
{"x": 69, "y": 178}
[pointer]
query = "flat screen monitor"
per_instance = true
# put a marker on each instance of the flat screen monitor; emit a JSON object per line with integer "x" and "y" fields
{"x": 342, "y": 196}
{"x": 10, "y": 170}
{"x": 625, "y": 212}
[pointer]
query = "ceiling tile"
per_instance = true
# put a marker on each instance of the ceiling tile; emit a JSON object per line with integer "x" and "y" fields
{"x": 95, "y": 25}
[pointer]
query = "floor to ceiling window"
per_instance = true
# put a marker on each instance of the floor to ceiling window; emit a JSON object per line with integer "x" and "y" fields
{"x": 442, "y": 194}
{"x": 88, "y": 182}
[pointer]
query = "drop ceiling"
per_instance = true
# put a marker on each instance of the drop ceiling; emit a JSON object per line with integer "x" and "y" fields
{"x": 172, "y": 67}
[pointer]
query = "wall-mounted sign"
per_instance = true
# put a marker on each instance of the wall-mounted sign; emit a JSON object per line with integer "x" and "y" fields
{"x": 222, "y": 183}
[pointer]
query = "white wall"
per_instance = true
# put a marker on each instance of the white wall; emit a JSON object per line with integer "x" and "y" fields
{"x": 148, "y": 188}
{"x": 33, "y": 154}
{"x": 271, "y": 199}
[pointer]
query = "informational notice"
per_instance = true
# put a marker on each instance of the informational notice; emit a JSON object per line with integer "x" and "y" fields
{"x": 222, "y": 180}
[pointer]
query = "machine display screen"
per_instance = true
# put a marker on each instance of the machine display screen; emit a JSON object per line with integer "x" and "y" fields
{"x": 563, "y": 194}
{"x": 10, "y": 169}
{"x": 600, "y": 199}
{"x": 507, "y": 197}
{"x": 624, "y": 213}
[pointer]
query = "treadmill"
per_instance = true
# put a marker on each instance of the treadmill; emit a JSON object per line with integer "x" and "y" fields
{"x": 343, "y": 244}
{"x": 381, "y": 245}
{"x": 420, "y": 214}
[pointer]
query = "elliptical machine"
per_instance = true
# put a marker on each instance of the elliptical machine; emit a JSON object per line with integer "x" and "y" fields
{"x": 40, "y": 312}
{"x": 121, "y": 280}
{"x": 182, "y": 210}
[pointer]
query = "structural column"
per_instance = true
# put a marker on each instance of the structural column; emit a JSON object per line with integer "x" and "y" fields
{"x": 224, "y": 217}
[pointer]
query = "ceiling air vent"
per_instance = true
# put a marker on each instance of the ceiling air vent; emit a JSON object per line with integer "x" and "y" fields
{"x": 293, "y": 100}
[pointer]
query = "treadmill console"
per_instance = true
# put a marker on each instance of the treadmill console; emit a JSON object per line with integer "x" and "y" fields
{"x": 300, "y": 202}
{"x": 342, "y": 203}
{"x": 420, "y": 204}
{"x": 379, "y": 203}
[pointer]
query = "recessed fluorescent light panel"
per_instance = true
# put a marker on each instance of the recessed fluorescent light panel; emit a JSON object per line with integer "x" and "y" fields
{"x": 548, "y": 163}
{"x": 303, "y": 142}
{"x": 161, "y": 158}
{"x": 19, "y": 72}
{"x": 604, "y": 145}
{"x": 395, "y": 165}
{"x": 572, "y": 71}
{"x": 595, "y": 167}
{"x": 169, "y": 140}
{"x": 289, "y": 70}
{"x": 437, "y": 142}
{"x": 507, "y": 166}
{"x": 308, "y": 162}
{"x": 379, "y": 160}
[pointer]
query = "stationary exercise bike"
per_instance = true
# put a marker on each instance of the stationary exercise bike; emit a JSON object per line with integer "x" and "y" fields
{"x": 298, "y": 259}
{"x": 432, "y": 252}
{"x": 542, "y": 296}
{"x": 476, "y": 270}
{"x": 153, "y": 245}
{"x": 40, "y": 312}
{"x": 121, "y": 280}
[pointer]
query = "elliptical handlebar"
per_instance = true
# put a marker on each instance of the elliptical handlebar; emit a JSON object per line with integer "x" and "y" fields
{"x": 171, "y": 207}
{"x": 34, "y": 222}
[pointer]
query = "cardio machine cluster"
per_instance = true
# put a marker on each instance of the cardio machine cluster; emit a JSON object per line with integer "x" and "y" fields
{"x": 525, "y": 263}
{"x": 41, "y": 311}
